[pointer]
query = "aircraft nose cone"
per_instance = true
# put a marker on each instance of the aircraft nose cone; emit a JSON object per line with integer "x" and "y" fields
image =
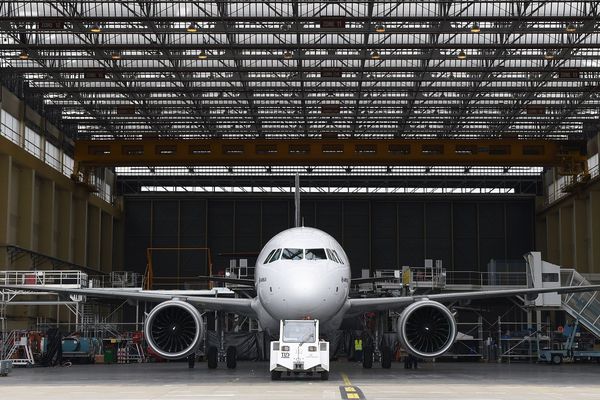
{"x": 299, "y": 294}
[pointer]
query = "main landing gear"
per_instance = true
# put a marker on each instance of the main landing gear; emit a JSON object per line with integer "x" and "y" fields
{"x": 212, "y": 356}
{"x": 385, "y": 356}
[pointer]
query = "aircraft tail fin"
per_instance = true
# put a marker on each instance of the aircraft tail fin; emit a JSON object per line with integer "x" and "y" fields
{"x": 297, "y": 202}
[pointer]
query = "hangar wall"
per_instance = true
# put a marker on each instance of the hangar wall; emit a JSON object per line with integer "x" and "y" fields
{"x": 568, "y": 223}
{"x": 41, "y": 209}
{"x": 568, "y": 231}
{"x": 377, "y": 232}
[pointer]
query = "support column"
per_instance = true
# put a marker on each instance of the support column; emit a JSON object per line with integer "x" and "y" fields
{"x": 106, "y": 243}
{"x": 63, "y": 225}
{"x": 79, "y": 229}
{"x": 552, "y": 238}
{"x": 5, "y": 206}
{"x": 594, "y": 208}
{"x": 25, "y": 213}
{"x": 46, "y": 244}
{"x": 580, "y": 237}
{"x": 565, "y": 221}
{"x": 94, "y": 234}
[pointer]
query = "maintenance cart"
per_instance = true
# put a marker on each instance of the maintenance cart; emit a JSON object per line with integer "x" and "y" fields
{"x": 568, "y": 352}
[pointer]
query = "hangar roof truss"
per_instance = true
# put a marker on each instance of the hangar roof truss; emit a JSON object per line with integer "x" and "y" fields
{"x": 290, "y": 69}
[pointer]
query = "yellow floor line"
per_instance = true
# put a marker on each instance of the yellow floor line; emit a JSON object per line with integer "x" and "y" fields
{"x": 346, "y": 379}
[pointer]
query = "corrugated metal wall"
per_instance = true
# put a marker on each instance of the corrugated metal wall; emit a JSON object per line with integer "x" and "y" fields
{"x": 376, "y": 232}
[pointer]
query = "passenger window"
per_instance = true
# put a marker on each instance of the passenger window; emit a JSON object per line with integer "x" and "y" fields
{"x": 292, "y": 254}
{"x": 315, "y": 254}
{"x": 275, "y": 256}
{"x": 337, "y": 256}
{"x": 269, "y": 256}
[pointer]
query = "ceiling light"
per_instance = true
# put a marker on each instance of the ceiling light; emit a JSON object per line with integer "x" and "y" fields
{"x": 475, "y": 28}
{"x": 192, "y": 28}
{"x": 202, "y": 55}
{"x": 23, "y": 55}
{"x": 462, "y": 55}
{"x": 379, "y": 28}
{"x": 95, "y": 28}
{"x": 288, "y": 55}
{"x": 115, "y": 55}
{"x": 375, "y": 55}
{"x": 549, "y": 55}
{"x": 571, "y": 28}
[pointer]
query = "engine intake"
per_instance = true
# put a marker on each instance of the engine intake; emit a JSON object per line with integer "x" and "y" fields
{"x": 427, "y": 329}
{"x": 174, "y": 329}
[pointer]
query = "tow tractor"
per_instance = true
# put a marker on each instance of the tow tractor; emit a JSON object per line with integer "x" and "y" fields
{"x": 569, "y": 351}
{"x": 299, "y": 350}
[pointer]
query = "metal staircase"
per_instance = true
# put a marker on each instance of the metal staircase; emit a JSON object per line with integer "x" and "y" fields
{"x": 17, "y": 340}
{"x": 8, "y": 345}
{"x": 584, "y": 306}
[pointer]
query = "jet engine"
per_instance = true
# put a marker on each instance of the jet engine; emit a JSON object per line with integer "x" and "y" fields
{"x": 174, "y": 329}
{"x": 426, "y": 329}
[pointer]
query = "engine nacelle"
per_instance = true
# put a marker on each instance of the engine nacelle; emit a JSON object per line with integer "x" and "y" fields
{"x": 427, "y": 329}
{"x": 174, "y": 329}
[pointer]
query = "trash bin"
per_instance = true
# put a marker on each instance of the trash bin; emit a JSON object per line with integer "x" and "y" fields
{"x": 109, "y": 356}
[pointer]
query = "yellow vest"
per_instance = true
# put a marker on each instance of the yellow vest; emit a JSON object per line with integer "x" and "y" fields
{"x": 358, "y": 344}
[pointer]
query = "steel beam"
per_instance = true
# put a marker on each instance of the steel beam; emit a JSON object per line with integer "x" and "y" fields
{"x": 168, "y": 152}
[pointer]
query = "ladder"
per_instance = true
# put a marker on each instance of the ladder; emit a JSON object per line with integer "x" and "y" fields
{"x": 8, "y": 346}
{"x": 583, "y": 306}
{"x": 19, "y": 340}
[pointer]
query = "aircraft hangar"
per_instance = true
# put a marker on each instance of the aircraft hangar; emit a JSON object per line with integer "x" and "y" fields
{"x": 299, "y": 199}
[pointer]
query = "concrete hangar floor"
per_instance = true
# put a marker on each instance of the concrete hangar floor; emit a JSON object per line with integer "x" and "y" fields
{"x": 348, "y": 380}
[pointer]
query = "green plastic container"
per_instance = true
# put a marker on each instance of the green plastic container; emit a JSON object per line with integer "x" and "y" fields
{"x": 109, "y": 356}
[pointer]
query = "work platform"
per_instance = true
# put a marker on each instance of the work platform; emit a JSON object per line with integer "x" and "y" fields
{"x": 514, "y": 340}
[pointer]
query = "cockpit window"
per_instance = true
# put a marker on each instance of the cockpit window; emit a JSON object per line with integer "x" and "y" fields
{"x": 292, "y": 254}
{"x": 337, "y": 256}
{"x": 331, "y": 256}
{"x": 269, "y": 256}
{"x": 315, "y": 254}
{"x": 275, "y": 256}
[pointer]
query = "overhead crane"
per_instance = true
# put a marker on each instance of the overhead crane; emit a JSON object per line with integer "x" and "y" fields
{"x": 569, "y": 157}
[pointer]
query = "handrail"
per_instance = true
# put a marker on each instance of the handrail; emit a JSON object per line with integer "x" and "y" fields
{"x": 45, "y": 278}
{"x": 40, "y": 259}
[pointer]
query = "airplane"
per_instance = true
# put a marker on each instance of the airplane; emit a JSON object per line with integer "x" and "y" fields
{"x": 301, "y": 273}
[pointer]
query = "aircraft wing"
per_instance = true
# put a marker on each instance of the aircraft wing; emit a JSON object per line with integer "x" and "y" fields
{"x": 357, "y": 306}
{"x": 225, "y": 279}
{"x": 234, "y": 305}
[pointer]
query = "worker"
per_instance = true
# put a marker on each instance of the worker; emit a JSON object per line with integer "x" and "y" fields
{"x": 358, "y": 349}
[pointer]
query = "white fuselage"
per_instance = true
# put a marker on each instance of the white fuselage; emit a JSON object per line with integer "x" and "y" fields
{"x": 302, "y": 273}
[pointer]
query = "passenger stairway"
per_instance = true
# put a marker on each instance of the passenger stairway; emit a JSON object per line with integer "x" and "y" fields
{"x": 584, "y": 306}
